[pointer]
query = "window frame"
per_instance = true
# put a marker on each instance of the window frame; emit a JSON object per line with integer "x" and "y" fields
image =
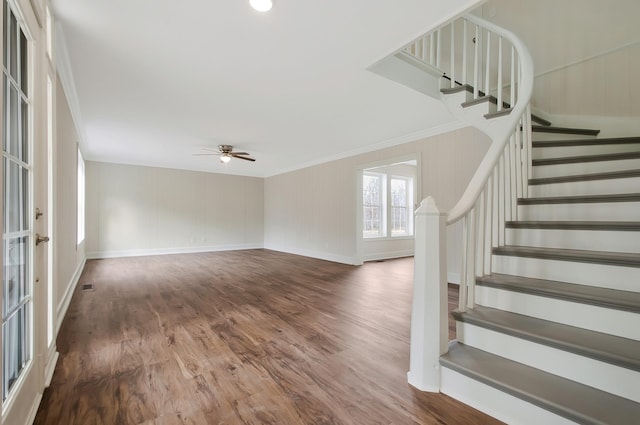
{"x": 386, "y": 226}
{"x": 81, "y": 198}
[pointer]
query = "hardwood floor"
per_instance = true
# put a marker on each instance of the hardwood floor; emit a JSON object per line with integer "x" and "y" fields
{"x": 244, "y": 337}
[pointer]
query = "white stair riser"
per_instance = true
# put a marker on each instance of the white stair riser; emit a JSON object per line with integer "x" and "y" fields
{"x": 574, "y": 169}
{"x": 601, "y": 240}
{"x": 565, "y": 151}
{"x": 496, "y": 403}
{"x": 585, "y": 370}
{"x": 607, "y": 211}
{"x": 482, "y": 108}
{"x": 601, "y": 275}
{"x": 620, "y": 323}
{"x": 592, "y": 187}
{"x": 540, "y": 136}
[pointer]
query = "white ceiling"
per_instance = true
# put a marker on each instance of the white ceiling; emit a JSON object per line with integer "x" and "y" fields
{"x": 159, "y": 80}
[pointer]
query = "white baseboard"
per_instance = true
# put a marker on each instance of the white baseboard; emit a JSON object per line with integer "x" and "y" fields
{"x": 51, "y": 367}
{"x": 453, "y": 278}
{"x": 388, "y": 255}
{"x": 168, "y": 251}
{"x": 34, "y": 410}
{"x": 327, "y": 256}
{"x": 63, "y": 306}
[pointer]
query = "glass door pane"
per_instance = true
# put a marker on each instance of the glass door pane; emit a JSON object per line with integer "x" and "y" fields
{"x": 17, "y": 240}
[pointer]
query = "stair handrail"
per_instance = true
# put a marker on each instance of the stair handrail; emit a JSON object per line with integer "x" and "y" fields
{"x": 521, "y": 108}
{"x": 491, "y": 196}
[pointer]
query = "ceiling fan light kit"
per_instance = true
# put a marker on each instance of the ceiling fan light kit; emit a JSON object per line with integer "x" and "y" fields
{"x": 261, "y": 5}
{"x": 226, "y": 153}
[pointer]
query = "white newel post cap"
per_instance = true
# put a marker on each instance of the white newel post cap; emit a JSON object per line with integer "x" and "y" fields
{"x": 428, "y": 207}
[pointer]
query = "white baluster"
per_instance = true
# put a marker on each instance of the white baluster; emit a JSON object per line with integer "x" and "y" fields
{"x": 480, "y": 246}
{"x": 462, "y": 295}
{"x": 432, "y": 49}
{"x": 515, "y": 174}
{"x": 476, "y": 65}
{"x": 438, "y": 49}
{"x": 517, "y": 135}
{"x": 471, "y": 272}
{"x": 501, "y": 200}
{"x": 487, "y": 76}
{"x": 453, "y": 55}
{"x": 488, "y": 245}
{"x": 499, "y": 87}
{"x": 496, "y": 207}
{"x": 464, "y": 51}
{"x": 508, "y": 170}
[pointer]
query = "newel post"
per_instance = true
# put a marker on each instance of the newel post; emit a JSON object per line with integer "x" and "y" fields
{"x": 429, "y": 329}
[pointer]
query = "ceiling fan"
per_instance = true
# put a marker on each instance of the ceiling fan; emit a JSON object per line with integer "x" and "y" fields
{"x": 226, "y": 153}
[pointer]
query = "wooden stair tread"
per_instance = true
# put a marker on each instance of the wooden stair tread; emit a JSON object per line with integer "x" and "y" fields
{"x": 575, "y": 225}
{"x": 569, "y": 399}
{"x": 564, "y": 130}
{"x": 584, "y": 294}
{"x": 581, "y": 199}
{"x": 586, "y": 158}
{"x": 469, "y": 88}
{"x": 603, "y": 347}
{"x": 585, "y": 142}
{"x": 586, "y": 177}
{"x": 625, "y": 259}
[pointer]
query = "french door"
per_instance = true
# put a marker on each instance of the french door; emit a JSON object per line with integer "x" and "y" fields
{"x": 22, "y": 167}
{"x": 17, "y": 234}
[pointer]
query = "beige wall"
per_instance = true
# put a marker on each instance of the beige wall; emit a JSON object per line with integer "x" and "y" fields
{"x": 313, "y": 211}
{"x": 586, "y": 53}
{"x": 68, "y": 258}
{"x": 133, "y": 210}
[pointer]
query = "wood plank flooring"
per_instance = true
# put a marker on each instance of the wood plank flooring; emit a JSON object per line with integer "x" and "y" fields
{"x": 244, "y": 337}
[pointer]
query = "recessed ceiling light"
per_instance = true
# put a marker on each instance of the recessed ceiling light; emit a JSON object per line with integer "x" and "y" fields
{"x": 261, "y": 5}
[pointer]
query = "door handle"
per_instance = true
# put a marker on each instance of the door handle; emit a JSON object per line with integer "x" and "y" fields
{"x": 40, "y": 239}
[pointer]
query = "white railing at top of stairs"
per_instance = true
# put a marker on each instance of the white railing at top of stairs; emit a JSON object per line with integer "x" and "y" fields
{"x": 480, "y": 59}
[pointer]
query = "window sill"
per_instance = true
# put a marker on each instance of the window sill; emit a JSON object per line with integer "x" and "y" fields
{"x": 388, "y": 238}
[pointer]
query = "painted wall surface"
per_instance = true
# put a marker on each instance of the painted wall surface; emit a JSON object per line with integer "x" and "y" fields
{"x": 586, "y": 53}
{"x": 133, "y": 210}
{"x": 313, "y": 211}
{"x": 68, "y": 256}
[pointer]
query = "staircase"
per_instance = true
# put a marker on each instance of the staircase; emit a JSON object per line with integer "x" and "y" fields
{"x": 548, "y": 326}
{"x": 554, "y": 334}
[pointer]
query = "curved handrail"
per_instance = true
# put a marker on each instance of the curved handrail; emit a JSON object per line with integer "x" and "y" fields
{"x": 489, "y": 162}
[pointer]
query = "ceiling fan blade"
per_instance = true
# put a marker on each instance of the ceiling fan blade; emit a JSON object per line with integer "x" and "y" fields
{"x": 217, "y": 151}
{"x": 245, "y": 158}
{"x": 204, "y": 154}
{"x": 239, "y": 153}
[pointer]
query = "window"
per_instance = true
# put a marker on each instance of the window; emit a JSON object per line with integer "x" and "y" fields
{"x": 400, "y": 206}
{"x": 387, "y": 205}
{"x": 17, "y": 300}
{"x": 372, "y": 205}
{"x": 80, "y": 197}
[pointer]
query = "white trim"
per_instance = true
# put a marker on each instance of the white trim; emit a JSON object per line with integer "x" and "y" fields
{"x": 453, "y": 277}
{"x": 63, "y": 305}
{"x": 387, "y": 255}
{"x": 64, "y": 71}
{"x": 168, "y": 251}
{"x": 50, "y": 368}
{"x": 34, "y": 409}
{"x": 327, "y": 256}
{"x": 394, "y": 141}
